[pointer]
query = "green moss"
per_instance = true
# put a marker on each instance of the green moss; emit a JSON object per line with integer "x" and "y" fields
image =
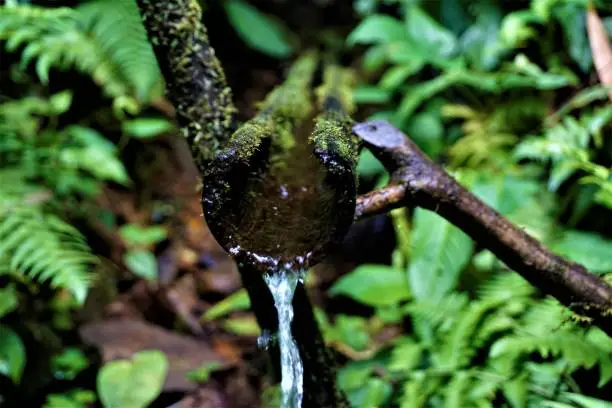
{"x": 248, "y": 137}
{"x": 291, "y": 101}
{"x": 337, "y": 84}
{"x": 332, "y": 134}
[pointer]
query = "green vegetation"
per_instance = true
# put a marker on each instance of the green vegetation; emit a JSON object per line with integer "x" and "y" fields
{"x": 503, "y": 94}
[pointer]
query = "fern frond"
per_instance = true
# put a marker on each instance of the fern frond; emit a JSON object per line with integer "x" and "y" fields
{"x": 574, "y": 349}
{"x": 436, "y": 313}
{"x": 504, "y": 287}
{"x": 116, "y": 27}
{"x": 417, "y": 390}
{"x": 546, "y": 316}
{"x": 456, "y": 350}
{"x": 456, "y": 390}
{"x": 102, "y": 39}
{"x": 46, "y": 249}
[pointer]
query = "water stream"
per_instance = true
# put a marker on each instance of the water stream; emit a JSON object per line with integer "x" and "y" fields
{"x": 282, "y": 284}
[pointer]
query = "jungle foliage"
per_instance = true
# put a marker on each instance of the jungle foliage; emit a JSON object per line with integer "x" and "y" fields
{"x": 504, "y": 94}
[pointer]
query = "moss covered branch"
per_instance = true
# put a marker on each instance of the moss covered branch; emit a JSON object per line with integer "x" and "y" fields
{"x": 197, "y": 88}
{"x": 195, "y": 81}
{"x": 416, "y": 180}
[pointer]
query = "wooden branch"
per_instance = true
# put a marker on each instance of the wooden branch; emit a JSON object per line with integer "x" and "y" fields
{"x": 197, "y": 88}
{"x": 195, "y": 81}
{"x": 416, "y": 180}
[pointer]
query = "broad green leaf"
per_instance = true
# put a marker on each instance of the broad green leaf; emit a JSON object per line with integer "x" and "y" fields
{"x": 135, "y": 235}
{"x": 377, "y": 391}
{"x": 589, "y": 249}
{"x": 132, "y": 383}
{"x": 90, "y": 137}
{"x": 426, "y": 33}
{"x": 233, "y": 303}
{"x": 395, "y": 76}
{"x": 350, "y": 330}
{"x": 142, "y": 263}
{"x": 258, "y": 30}
{"x": 8, "y": 300}
{"x": 372, "y": 394}
{"x": 481, "y": 43}
{"x": 371, "y": 94}
{"x": 146, "y": 128}
{"x": 454, "y": 16}
{"x": 12, "y": 354}
{"x": 573, "y": 20}
{"x": 354, "y": 374}
{"x": 441, "y": 252}
{"x": 242, "y": 326}
{"x": 101, "y": 163}
{"x": 373, "y": 285}
{"x": 376, "y": 29}
{"x": 375, "y": 57}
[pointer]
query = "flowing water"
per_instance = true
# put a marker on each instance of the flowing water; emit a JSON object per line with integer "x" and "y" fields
{"x": 282, "y": 284}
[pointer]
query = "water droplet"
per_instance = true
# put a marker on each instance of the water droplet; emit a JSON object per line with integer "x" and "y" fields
{"x": 283, "y": 191}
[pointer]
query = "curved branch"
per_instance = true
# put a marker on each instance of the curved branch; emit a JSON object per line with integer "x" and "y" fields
{"x": 419, "y": 181}
{"x": 194, "y": 77}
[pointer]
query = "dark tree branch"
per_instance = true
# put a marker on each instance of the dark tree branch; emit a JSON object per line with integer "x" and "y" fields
{"x": 416, "y": 180}
{"x": 197, "y": 88}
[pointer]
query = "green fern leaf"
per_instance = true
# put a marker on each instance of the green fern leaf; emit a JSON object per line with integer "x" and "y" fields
{"x": 456, "y": 351}
{"x": 504, "y": 287}
{"x": 438, "y": 312}
{"x": 117, "y": 28}
{"x": 456, "y": 390}
{"x": 571, "y": 347}
{"x": 103, "y": 38}
{"x": 45, "y": 248}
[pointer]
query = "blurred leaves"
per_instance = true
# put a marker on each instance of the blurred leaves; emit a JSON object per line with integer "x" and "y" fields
{"x": 258, "y": 30}
{"x": 367, "y": 282}
{"x": 146, "y": 128}
{"x": 499, "y": 92}
{"x": 132, "y": 383}
{"x": 12, "y": 354}
{"x": 440, "y": 253}
{"x": 235, "y": 302}
{"x": 142, "y": 263}
{"x": 135, "y": 235}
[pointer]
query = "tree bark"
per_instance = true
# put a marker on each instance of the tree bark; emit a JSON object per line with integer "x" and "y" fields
{"x": 416, "y": 180}
{"x": 195, "y": 80}
{"x": 197, "y": 88}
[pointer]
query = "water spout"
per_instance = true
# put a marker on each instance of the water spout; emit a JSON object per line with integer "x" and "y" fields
{"x": 282, "y": 285}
